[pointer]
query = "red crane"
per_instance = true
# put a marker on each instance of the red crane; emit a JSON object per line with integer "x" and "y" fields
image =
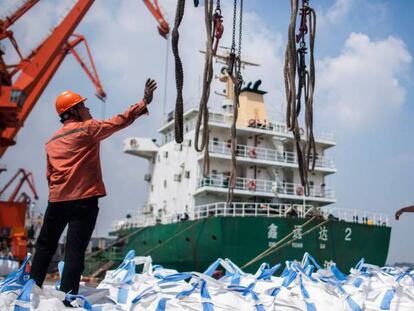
{"x": 32, "y": 74}
{"x": 13, "y": 213}
{"x": 163, "y": 27}
{"x": 27, "y": 177}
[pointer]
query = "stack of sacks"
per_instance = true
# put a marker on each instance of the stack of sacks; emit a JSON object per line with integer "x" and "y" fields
{"x": 301, "y": 286}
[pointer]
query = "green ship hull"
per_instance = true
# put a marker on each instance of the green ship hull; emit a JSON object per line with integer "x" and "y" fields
{"x": 194, "y": 245}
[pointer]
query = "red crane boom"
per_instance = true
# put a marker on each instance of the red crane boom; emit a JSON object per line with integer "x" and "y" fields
{"x": 17, "y": 100}
{"x": 10, "y": 20}
{"x": 36, "y": 70}
{"x": 26, "y": 177}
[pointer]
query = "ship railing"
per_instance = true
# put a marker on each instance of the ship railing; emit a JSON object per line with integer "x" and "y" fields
{"x": 249, "y": 209}
{"x": 285, "y": 188}
{"x": 277, "y": 127}
{"x": 241, "y": 209}
{"x": 134, "y": 222}
{"x": 226, "y": 118}
{"x": 254, "y": 209}
{"x": 266, "y": 154}
{"x": 242, "y": 183}
{"x": 188, "y": 126}
{"x": 142, "y": 220}
{"x": 216, "y": 117}
{"x": 281, "y": 128}
{"x": 356, "y": 216}
{"x": 192, "y": 106}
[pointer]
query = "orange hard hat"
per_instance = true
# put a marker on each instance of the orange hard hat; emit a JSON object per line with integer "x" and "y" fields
{"x": 67, "y": 100}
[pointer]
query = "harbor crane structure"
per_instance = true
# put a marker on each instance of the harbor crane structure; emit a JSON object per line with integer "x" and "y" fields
{"x": 22, "y": 83}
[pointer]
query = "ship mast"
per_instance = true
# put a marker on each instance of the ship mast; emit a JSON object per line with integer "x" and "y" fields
{"x": 223, "y": 58}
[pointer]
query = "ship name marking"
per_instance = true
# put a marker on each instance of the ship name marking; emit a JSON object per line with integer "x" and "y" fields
{"x": 348, "y": 233}
{"x": 297, "y": 245}
{"x": 323, "y": 233}
{"x": 297, "y": 232}
{"x": 272, "y": 232}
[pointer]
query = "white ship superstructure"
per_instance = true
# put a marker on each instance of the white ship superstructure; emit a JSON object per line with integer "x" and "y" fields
{"x": 267, "y": 167}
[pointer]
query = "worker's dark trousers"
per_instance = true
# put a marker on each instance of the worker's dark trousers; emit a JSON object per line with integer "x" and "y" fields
{"x": 80, "y": 215}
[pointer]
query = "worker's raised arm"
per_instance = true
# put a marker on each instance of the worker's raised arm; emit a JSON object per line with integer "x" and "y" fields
{"x": 100, "y": 130}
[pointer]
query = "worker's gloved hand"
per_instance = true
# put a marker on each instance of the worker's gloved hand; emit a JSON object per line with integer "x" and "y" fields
{"x": 398, "y": 213}
{"x": 150, "y": 87}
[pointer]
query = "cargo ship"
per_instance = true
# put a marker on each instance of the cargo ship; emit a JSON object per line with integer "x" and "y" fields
{"x": 187, "y": 223}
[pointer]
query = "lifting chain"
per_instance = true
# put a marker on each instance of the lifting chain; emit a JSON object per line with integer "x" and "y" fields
{"x": 179, "y": 74}
{"x": 234, "y": 71}
{"x": 295, "y": 60}
{"x": 218, "y": 26}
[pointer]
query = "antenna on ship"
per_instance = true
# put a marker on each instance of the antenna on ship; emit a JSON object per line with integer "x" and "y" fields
{"x": 223, "y": 57}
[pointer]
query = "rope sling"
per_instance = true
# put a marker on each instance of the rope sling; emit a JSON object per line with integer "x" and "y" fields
{"x": 203, "y": 114}
{"x": 233, "y": 70}
{"x": 202, "y": 117}
{"x": 179, "y": 74}
{"x": 295, "y": 65}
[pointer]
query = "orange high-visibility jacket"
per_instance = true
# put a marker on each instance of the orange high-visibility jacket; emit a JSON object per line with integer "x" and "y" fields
{"x": 73, "y": 162}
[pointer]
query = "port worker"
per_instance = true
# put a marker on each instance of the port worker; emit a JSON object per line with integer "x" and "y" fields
{"x": 408, "y": 209}
{"x": 75, "y": 183}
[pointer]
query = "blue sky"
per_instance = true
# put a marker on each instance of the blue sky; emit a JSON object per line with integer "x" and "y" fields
{"x": 363, "y": 95}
